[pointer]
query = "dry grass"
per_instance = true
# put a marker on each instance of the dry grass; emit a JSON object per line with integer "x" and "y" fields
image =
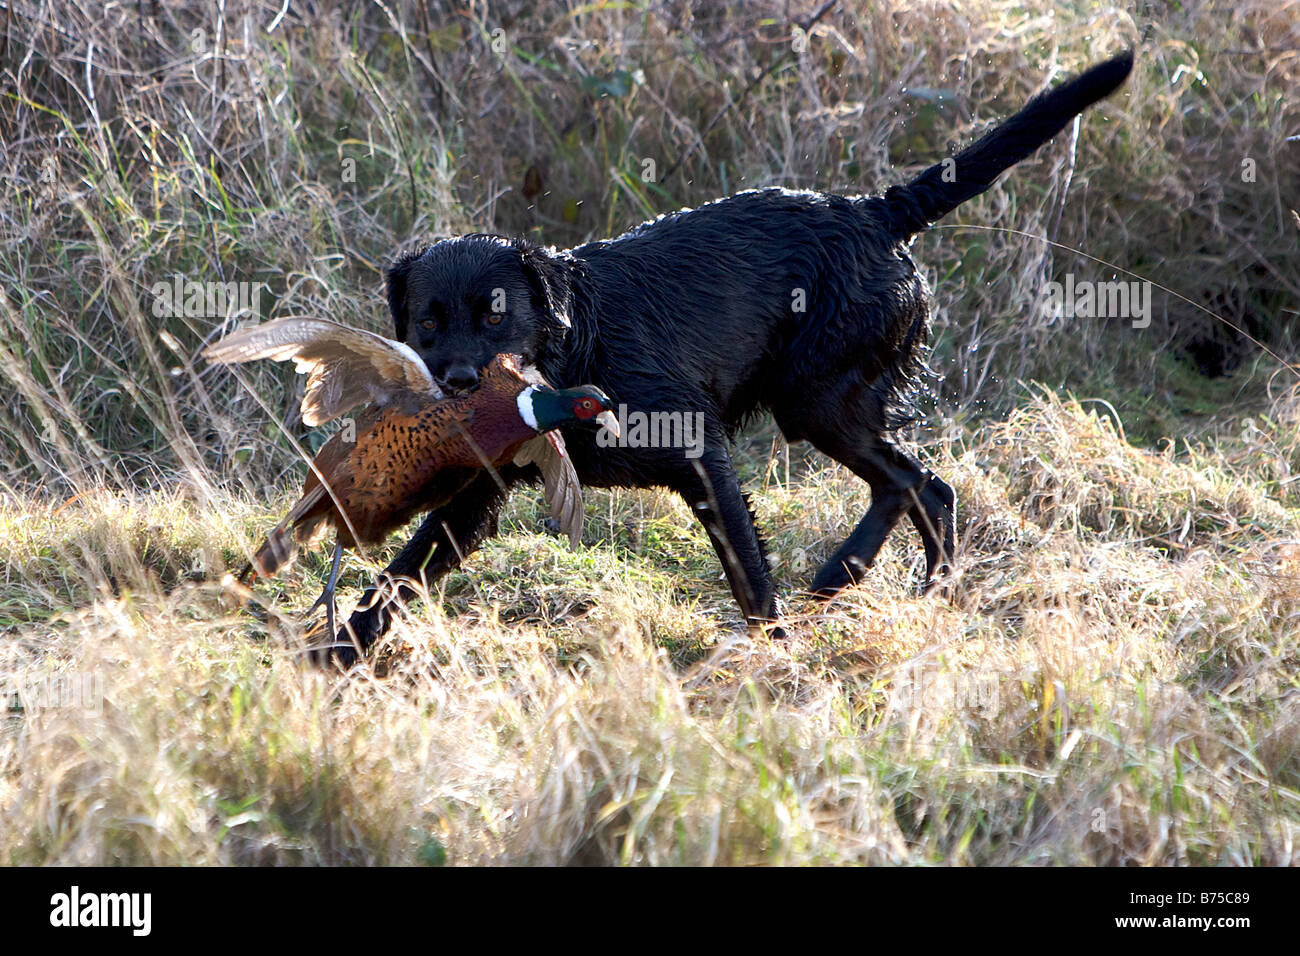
{"x": 1086, "y": 693}
{"x": 1110, "y": 678}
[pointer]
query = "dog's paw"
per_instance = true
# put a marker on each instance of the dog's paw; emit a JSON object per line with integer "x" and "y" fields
{"x": 771, "y": 624}
{"x": 326, "y": 650}
{"x": 837, "y": 574}
{"x": 939, "y": 585}
{"x": 772, "y": 630}
{"x": 334, "y": 654}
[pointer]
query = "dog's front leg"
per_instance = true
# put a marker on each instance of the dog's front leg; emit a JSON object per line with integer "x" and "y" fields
{"x": 712, "y": 490}
{"x": 443, "y": 540}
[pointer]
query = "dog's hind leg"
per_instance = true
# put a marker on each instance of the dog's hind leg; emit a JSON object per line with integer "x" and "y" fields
{"x": 899, "y": 485}
{"x": 936, "y": 521}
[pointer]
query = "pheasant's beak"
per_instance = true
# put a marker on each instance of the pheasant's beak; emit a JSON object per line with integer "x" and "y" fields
{"x": 610, "y": 421}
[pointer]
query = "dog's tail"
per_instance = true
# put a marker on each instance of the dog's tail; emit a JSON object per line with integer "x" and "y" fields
{"x": 945, "y": 186}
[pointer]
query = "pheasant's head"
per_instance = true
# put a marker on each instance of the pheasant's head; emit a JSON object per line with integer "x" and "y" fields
{"x": 543, "y": 409}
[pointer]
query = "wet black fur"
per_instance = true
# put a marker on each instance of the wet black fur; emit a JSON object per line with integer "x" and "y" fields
{"x": 696, "y": 311}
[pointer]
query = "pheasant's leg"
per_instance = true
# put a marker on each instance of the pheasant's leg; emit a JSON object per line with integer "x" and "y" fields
{"x": 327, "y": 596}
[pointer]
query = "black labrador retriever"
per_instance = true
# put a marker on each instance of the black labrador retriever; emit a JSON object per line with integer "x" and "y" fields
{"x": 804, "y": 304}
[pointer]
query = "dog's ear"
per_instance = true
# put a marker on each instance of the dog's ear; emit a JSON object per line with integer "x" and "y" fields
{"x": 549, "y": 278}
{"x": 396, "y": 282}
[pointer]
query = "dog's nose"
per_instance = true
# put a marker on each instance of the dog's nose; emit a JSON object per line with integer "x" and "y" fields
{"x": 461, "y": 376}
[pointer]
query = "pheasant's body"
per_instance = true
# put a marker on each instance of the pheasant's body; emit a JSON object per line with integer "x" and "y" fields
{"x": 408, "y": 457}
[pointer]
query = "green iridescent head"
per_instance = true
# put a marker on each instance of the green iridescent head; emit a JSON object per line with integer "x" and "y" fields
{"x": 543, "y": 409}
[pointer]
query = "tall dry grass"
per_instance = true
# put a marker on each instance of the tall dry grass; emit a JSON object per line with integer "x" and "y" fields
{"x": 246, "y": 143}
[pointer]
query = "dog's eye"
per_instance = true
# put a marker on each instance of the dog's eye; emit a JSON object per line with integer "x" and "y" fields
{"x": 494, "y": 318}
{"x": 428, "y": 323}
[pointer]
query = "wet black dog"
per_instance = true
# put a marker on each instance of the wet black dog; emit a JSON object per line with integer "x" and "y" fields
{"x": 801, "y": 303}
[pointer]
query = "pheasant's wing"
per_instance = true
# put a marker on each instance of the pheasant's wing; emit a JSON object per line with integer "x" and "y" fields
{"x": 345, "y": 367}
{"x": 563, "y": 490}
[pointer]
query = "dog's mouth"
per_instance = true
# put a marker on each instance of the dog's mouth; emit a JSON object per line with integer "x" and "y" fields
{"x": 456, "y": 391}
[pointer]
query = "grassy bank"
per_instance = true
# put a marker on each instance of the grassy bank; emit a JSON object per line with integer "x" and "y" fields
{"x": 1110, "y": 677}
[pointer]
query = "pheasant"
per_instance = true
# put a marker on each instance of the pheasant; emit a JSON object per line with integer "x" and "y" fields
{"x": 414, "y": 448}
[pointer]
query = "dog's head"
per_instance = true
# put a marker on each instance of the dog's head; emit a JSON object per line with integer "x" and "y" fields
{"x": 462, "y": 301}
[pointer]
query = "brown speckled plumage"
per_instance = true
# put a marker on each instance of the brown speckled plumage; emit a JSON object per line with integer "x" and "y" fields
{"x": 409, "y": 456}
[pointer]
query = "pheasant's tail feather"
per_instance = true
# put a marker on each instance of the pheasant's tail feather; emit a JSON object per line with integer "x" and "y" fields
{"x": 302, "y": 525}
{"x": 277, "y": 551}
